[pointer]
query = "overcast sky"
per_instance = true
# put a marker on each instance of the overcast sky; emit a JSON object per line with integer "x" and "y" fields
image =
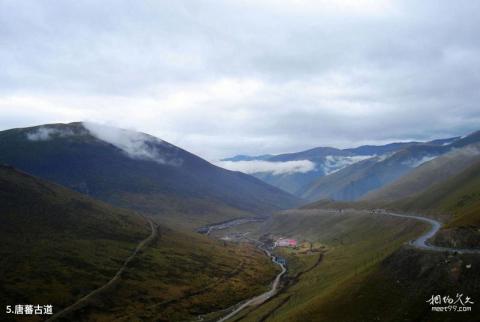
{"x": 220, "y": 78}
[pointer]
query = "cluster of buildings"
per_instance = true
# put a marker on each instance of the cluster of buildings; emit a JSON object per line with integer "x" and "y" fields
{"x": 284, "y": 242}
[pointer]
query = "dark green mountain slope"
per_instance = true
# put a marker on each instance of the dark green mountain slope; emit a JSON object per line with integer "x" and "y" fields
{"x": 458, "y": 196}
{"x": 342, "y": 185}
{"x": 56, "y": 244}
{"x": 427, "y": 174}
{"x": 138, "y": 171}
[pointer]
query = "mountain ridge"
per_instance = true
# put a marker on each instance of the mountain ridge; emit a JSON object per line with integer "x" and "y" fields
{"x": 139, "y": 172}
{"x": 325, "y": 161}
{"x": 358, "y": 180}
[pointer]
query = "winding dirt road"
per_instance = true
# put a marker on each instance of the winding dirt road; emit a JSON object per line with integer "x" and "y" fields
{"x": 84, "y": 300}
{"x": 259, "y": 299}
{"x": 422, "y": 241}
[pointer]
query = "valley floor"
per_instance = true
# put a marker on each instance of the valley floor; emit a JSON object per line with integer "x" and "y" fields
{"x": 359, "y": 260}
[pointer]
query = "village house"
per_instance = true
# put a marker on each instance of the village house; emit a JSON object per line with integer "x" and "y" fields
{"x": 284, "y": 242}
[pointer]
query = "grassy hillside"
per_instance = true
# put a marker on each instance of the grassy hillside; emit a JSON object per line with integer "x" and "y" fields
{"x": 182, "y": 277}
{"x": 427, "y": 174}
{"x": 141, "y": 172}
{"x": 341, "y": 185}
{"x": 359, "y": 269}
{"x": 459, "y": 196}
{"x": 57, "y": 245}
{"x": 454, "y": 200}
{"x": 344, "y": 246}
{"x": 397, "y": 289}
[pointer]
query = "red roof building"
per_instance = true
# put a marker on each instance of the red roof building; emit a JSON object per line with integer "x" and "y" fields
{"x": 284, "y": 242}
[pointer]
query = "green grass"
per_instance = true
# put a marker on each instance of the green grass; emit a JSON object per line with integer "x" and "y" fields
{"x": 57, "y": 245}
{"x": 353, "y": 243}
{"x": 426, "y": 175}
{"x": 179, "y": 279}
{"x": 367, "y": 273}
{"x": 455, "y": 199}
{"x": 458, "y": 196}
{"x": 397, "y": 289}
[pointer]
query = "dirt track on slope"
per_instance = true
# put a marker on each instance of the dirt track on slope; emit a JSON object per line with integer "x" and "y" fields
{"x": 82, "y": 302}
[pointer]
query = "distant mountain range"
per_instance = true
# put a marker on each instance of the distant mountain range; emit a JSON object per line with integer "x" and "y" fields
{"x": 355, "y": 181}
{"x": 138, "y": 171}
{"x": 427, "y": 174}
{"x": 342, "y": 174}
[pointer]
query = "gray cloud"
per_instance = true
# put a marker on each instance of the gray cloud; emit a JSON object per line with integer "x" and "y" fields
{"x": 227, "y": 77}
{"x": 45, "y": 133}
{"x": 276, "y": 168}
{"x": 135, "y": 144}
{"x": 330, "y": 165}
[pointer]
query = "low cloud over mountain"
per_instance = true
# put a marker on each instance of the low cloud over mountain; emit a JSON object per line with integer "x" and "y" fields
{"x": 45, "y": 133}
{"x": 276, "y": 168}
{"x": 135, "y": 144}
